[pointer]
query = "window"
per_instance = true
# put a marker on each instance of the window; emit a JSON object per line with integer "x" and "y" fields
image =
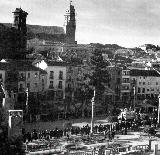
{"x": 36, "y": 85}
{"x": 51, "y": 75}
{"x": 28, "y": 85}
{"x": 43, "y": 81}
{"x": 21, "y": 86}
{"x": 143, "y": 90}
{"x": 139, "y": 83}
{"x": 144, "y": 83}
{"x": 51, "y": 84}
{"x": 60, "y": 75}
{"x": 42, "y": 86}
{"x": 69, "y": 85}
{"x": 125, "y": 80}
{"x": 147, "y": 89}
{"x": 139, "y": 90}
{"x": 36, "y": 75}
{"x": 1, "y": 79}
{"x": 60, "y": 85}
{"x": 156, "y": 83}
{"x": 28, "y": 75}
{"x": 21, "y": 75}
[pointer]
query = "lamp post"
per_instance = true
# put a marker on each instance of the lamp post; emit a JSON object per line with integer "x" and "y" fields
{"x": 158, "y": 119}
{"x": 134, "y": 100}
{"x": 92, "y": 119}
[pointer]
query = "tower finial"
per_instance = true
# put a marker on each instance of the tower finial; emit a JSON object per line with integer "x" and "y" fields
{"x": 70, "y": 2}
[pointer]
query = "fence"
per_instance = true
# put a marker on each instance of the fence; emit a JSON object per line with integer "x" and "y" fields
{"x": 136, "y": 150}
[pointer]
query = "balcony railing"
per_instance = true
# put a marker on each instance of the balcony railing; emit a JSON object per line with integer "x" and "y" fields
{"x": 21, "y": 78}
{"x": 51, "y": 87}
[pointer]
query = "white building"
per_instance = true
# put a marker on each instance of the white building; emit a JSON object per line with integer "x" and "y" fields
{"x": 56, "y": 77}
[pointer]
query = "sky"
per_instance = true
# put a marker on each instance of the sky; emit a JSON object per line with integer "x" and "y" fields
{"x": 128, "y": 23}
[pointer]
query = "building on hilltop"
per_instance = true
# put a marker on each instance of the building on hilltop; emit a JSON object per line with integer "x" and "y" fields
{"x": 13, "y": 40}
{"x": 70, "y": 25}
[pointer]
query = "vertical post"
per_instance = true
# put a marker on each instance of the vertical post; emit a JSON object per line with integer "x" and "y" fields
{"x": 92, "y": 119}
{"x": 158, "y": 120}
{"x": 134, "y": 93}
{"x": 156, "y": 149}
{"x": 27, "y": 101}
{"x": 150, "y": 142}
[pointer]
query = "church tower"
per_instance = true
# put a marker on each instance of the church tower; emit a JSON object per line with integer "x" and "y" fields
{"x": 20, "y": 20}
{"x": 70, "y": 24}
{"x": 20, "y": 33}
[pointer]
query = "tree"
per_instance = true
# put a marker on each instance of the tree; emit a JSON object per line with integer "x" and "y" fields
{"x": 95, "y": 77}
{"x": 100, "y": 76}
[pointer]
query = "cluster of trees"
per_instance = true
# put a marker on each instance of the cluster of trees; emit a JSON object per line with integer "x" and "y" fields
{"x": 94, "y": 80}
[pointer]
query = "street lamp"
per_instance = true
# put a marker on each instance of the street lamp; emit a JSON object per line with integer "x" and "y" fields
{"x": 158, "y": 120}
{"x": 92, "y": 119}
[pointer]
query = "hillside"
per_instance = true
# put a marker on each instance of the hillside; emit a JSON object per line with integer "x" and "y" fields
{"x": 52, "y": 33}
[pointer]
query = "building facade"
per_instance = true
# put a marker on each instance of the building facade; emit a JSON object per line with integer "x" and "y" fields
{"x": 126, "y": 86}
{"x": 115, "y": 81}
{"x": 147, "y": 83}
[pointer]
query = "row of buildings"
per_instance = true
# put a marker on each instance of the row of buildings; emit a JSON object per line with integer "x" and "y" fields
{"x": 51, "y": 84}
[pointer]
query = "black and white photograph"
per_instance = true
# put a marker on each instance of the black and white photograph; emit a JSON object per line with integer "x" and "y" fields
{"x": 79, "y": 77}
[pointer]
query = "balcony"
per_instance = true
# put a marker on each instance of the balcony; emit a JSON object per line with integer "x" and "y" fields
{"x": 51, "y": 87}
{"x": 21, "y": 78}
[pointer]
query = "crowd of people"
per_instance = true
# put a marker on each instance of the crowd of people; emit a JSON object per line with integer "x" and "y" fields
{"x": 108, "y": 130}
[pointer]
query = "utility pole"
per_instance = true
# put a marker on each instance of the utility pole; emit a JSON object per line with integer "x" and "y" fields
{"x": 134, "y": 100}
{"x": 158, "y": 119}
{"x": 92, "y": 119}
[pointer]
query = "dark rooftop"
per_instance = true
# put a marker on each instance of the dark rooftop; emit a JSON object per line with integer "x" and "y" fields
{"x": 137, "y": 72}
{"x": 20, "y": 66}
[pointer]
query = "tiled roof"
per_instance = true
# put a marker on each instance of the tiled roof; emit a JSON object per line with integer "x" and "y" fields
{"x": 56, "y": 63}
{"x": 138, "y": 72}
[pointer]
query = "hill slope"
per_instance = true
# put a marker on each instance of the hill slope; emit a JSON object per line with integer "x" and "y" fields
{"x": 52, "y": 33}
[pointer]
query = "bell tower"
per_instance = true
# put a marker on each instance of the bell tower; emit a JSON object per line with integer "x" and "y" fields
{"x": 20, "y": 20}
{"x": 20, "y": 35}
{"x": 70, "y": 24}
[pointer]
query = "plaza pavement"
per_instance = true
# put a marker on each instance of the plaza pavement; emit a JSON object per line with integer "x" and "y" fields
{"x": 132, "y": 138}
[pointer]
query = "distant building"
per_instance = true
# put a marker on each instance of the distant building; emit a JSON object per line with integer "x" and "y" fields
{"x": 147, "y": 83}
{"x": 115, "y": 81}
